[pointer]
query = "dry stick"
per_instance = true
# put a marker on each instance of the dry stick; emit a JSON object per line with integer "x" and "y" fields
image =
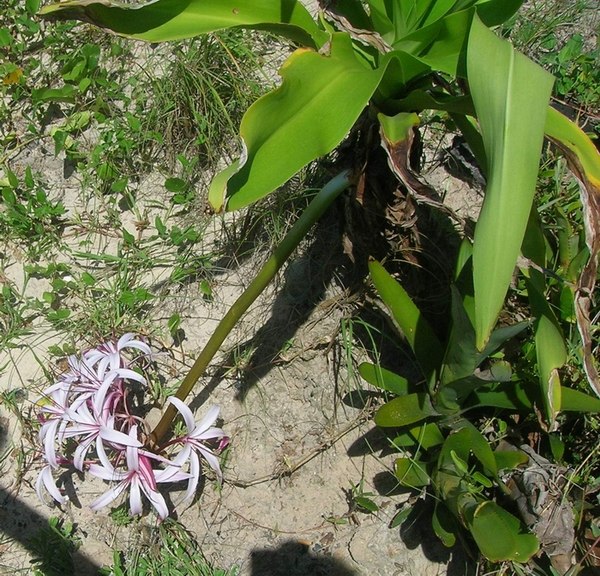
{"x": 313, "y": 212}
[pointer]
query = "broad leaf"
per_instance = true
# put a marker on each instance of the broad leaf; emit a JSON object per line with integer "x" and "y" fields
{"x": 510, "y": 94}
{"x": 425, "y": 436}
{"x": 411, "y": 473}
{"x": 320, "y": 99}
{"x": 465, "y": 441}
{"x": 164, "y": 20}
{"x": 444, "y": 525}
{"x": 510, "y": 459}
{"x": 441, "y": 44}
{"x": 405, "y": 410}
{"x": 500, "y": 536}
{"x": 384, "y": 379}
{"x": 516, "y": 397}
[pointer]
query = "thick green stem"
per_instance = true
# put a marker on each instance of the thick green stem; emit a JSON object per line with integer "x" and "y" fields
{"x": 313, "y": 212}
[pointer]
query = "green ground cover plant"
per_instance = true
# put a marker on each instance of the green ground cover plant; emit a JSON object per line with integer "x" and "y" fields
{"x": 362, "y": 67}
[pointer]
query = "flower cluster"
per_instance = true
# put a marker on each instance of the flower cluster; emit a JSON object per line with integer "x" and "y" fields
{"x": 87, "y": 423}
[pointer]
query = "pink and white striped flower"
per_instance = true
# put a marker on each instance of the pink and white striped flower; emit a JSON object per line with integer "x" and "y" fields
{"x": 139, "y": 477}
{"x": 87, "y": 423}
{"x": 195, "y": 443}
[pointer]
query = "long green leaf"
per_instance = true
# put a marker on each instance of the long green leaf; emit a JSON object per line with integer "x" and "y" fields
{"x": 384, "y": 379}
{"x": 510, "y": 94}
{"x": 584, "y": 161}
{"x": 517, "y": 397}
{"x": 417, "y": 331}
{"x": 164, "y": 20}
{"x": 550, "y": 348}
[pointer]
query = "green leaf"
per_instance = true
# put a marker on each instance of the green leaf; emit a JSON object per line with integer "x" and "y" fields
{"x": 411, "y": 473}
{"x": 510, "y": 94}
{"x": 572, "y": 138}
{"x": 465, "y": 441}
{"x": 175, "y": 185}
{"x": 444, "y": 525}
{"x": 405, "y": 410}
{"x": 514, "y": 396}
{"x": 510, "y": 459}
{"x": 366, "y": 504}
{"x": 400, "y": 517}
{"x": 383, "y": 379}
{"x": 460, "y": 359}
{"x": 550, "y": 348}
{"x": 441, "y": 44}
{"x": 499, "y": 337}
{"x": 500, "y": 536}
{"x": 65, "y": 94}
{"x": 320, "y": 98}
{"x": 417, "y": 331}
{"x": 164, "y": 20}
{"x": 425, "y": 436}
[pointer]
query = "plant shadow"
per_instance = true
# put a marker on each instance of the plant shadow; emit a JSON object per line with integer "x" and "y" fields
{"x": 21, "y": 523}
{"x": 293, "y": 558}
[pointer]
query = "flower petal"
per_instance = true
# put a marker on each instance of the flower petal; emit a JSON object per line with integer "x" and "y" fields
{"x": 135, "y": 498}
{"x": 184, "y": 411}
{"x": 209, "y": 419}
{"x": 46, "y": 480}
{"x": 108, "y": 496}
{"x": 195, "y": 471}
{"x": 158, "y": 502}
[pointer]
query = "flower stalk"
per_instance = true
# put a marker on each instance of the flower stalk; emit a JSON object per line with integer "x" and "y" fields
{"x": 313, "y": 212}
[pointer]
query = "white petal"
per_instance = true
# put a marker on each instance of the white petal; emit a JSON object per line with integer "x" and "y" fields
{"x": 116, "y": 437}
{"x": 131, "y": 343}
{"x": 81, "y": 451}
{"x": 131, "y": 452}
{"x": 207, "y": 421}
{"x": 212, "y": 460}
{"x": 108, "y": 496}
{"x": 135, "y": 498}
{"x": 195, "y": 472}
{"x": 184, "y": 411}
{"x": 109, "y": 474}
{"x": 210, "y": 434}
{"x": 128, "y": 374}
{"x": 45, "y": 478}
{"x": 157, "y": 501}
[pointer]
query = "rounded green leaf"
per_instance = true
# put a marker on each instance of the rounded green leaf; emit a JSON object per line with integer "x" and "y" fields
{"x": 405, "y": 410}
{"x": 500, "y": 536}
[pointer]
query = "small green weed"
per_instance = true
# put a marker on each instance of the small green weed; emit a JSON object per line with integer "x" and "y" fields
{"x": 29, "y": 216}
{"x": 172, "y": 550}
{"x": 52, "y": 549}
